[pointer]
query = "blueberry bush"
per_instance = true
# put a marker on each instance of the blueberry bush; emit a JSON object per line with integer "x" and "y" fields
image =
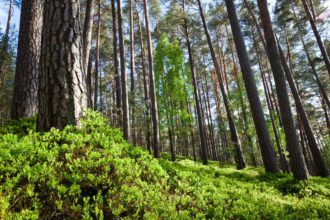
{"x": 91, "y": 172}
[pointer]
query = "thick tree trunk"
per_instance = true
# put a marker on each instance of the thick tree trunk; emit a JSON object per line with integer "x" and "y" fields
{"x": 197, "y": 102}
{"x": 239, "y": 158}
{"x": 126, "y": 120}
{"x": 321, "y": 168}
{"x": 154, "y": 110}
{"x": 97, "y": 56}
{"x": 297, "y": 161}
{"x": 25, "y": 95}
{"x": 267, "y": 151}
{"x": 62, "y": 82}
{"x": 317, "y": 36}
{"x": 87, "y": 41}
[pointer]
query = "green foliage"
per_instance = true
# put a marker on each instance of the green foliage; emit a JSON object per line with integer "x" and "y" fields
{"x": 172, "y": 81}
{"x": 90, "y": 172}
{"x": 19, "y": 127}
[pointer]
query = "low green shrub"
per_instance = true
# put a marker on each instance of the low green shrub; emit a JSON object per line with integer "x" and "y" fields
{"x": 90, "y": 172}
{"x": 19, "y": 127}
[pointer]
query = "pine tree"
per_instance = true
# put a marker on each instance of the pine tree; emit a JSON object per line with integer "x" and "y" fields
{"x": 62, "y": 89}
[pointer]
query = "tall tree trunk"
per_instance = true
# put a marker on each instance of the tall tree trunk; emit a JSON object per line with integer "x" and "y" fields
{"x": 204, "y": 130}
{"x": 283, "y": 162}
{"x": 263, "y": 41}
{"x": 89, "y": 88}
{"x": 126, "y": 120}
{"x": 154, "y": 110}
{"x": 297, "y": 161}
{"x": 131, "y": 23}
{"x": 303, "y": 146}
{"x": 208, "y": 126}
{"x": 317, "y": 36}
{"x": 145, "y": 86}
{"x": 239, "y": 158}
{"x": 224, "y": 67}
{"x": 25, "y": 94}
{"x": 192, "y": 134}
{"x": 87, "y": 40}
{"x": 211, "y": 127}
{"x": 97, "y": 56}
{"x": 222, "y": 132}
{"x": 116, "y": 63}
{"x": 101, "y": 90}
{"x": 62, "y": 82}
{"x": 242, "y": 103}
{"x": 170, "y": 135}
{"x": 321, "y": 168}
{"x": 197, "y": 102}
{"x": 267, "y": 151}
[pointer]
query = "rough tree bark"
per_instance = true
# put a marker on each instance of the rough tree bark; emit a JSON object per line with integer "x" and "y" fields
{"x": 25, "y": 94}
{"x": 62, "y": 83}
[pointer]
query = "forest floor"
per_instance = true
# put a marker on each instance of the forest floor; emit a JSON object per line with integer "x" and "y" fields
{"x": 90, "y": 172}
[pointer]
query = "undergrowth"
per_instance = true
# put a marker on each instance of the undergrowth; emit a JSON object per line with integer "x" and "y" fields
{"x": 91, "y": 172}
